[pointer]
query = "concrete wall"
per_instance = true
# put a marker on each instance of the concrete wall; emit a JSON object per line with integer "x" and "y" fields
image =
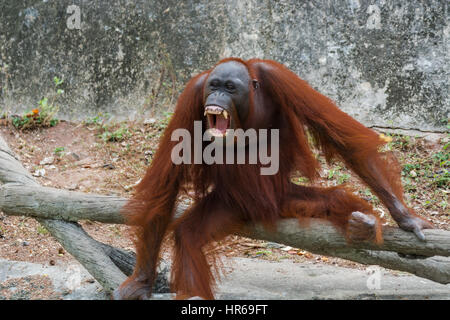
{"x": 384, "y": 62}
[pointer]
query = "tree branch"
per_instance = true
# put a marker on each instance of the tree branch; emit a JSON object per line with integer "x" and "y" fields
{"x": 72, "y": 237}
{"x": 87, "y": 251}
{"x": 54, "y": 208}
{"x": 51, "y": 203}
{"x": 319, "y": 236}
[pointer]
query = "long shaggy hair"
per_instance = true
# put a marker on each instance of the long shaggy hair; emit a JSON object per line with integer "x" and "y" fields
{"x": 282, "y": 101}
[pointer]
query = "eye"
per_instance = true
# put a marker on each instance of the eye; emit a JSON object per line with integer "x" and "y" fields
{"x": 230, "y": 86}
{"x": 214, "y": 84}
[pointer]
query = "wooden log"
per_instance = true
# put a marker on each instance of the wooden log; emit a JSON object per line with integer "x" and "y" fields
{"x": 58, "y": 210}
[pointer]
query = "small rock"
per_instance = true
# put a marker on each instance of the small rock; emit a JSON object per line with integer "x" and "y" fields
{"x": 109, "y": 166}
{"x": 149, "y": 121}
{"x": 84, "y": 162}
{"x": 75, "y": 156}
{"x": 72, "y": 187}
{"x": 39, "y": 173}
{"x": 413, "y": 174}
{"x": 25, "y": 243}
{"x": 274, "y": 245}
{"x": 47, "y": 161}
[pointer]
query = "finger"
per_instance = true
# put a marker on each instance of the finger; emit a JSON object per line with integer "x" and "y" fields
{"x": 419, "y": 234}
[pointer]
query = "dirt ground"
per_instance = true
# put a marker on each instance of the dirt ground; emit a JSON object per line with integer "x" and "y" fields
{"x": 95, "y": 157}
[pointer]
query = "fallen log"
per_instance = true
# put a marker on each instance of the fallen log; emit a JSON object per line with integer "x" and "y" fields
{"x": 60, "y": 210}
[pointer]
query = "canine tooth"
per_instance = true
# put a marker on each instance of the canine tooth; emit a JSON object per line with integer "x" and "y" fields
{"x": 225, "y": 114}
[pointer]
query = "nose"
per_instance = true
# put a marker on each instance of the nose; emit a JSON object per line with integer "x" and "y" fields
{"x": 220, "y": 99}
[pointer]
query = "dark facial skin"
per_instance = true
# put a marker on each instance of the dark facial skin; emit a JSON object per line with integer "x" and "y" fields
{"x": 227, "y": 87}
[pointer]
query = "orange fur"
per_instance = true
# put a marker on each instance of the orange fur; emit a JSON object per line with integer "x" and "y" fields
{"x": 228, "y": 196}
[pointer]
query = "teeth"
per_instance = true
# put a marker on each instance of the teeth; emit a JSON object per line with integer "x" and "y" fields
{"x": 213, "y": 111}
{"x": 216, "y": 110}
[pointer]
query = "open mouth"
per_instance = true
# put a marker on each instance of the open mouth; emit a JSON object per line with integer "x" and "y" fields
{"x": 219, "y": 120}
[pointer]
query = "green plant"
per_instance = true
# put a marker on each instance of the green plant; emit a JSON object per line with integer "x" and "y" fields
{"x": 300, "y": 180}
{"x": 106, "y": 130}
{"x": 59, "y": 151}
{"x": 43, "y": 115}
{"x": 118, "y": 135}
{"x": 442, "y": 178}
{"x": 400, "y": 142}
{"x": 367, "y": 192}
{"x": 344, "y": 177}
{"x": 116, "y": 230}
{"x": 263, "y": 253}
{"x": 410, "y": 169}
{"x": 164, "y": 121}
{"x": 99, "y": 119}
{"x": 441, "y": 159}
{"x": 337, "y": 174}
{"x": 41, "y": 230}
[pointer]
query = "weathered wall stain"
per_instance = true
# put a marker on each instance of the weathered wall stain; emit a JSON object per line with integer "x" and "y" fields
{"x": 384, "y": 62}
